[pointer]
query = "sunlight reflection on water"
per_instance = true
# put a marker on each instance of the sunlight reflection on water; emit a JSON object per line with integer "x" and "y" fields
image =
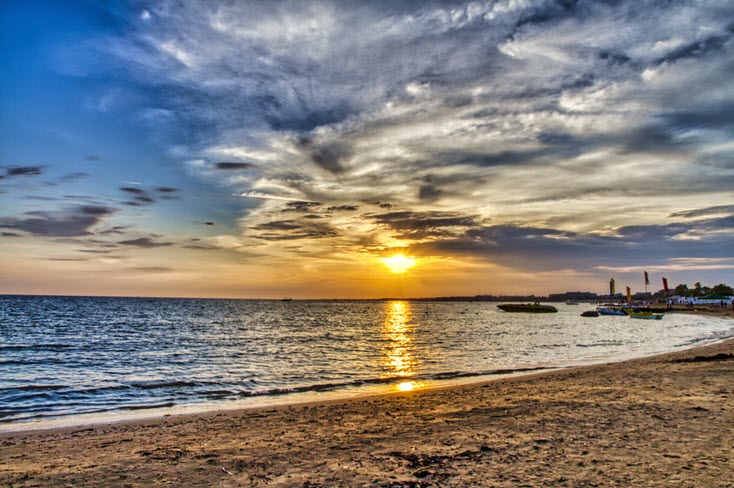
{"x": 399, "y": 359}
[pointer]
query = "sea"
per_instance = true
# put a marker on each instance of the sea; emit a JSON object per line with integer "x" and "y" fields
{"x": 81, "y": 360}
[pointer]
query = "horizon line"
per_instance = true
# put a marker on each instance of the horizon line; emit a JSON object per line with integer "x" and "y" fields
{"x": 287, "y": 298}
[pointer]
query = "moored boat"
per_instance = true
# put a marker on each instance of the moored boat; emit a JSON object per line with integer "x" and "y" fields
{"x": 609, "y": 311}
{"x": 527, "y": 308}
{"x": 590, "y": 313}
{"x": 646, "y": 315}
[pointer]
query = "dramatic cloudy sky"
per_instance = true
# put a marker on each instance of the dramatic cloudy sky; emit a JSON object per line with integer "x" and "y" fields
{"x": 270, "y": 149}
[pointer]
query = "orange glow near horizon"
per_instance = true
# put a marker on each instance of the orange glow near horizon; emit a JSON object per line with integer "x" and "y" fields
{"x": 399, "y": 263}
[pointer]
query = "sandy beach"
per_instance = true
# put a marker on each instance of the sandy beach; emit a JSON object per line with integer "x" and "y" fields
{"x": 661, "y": 421}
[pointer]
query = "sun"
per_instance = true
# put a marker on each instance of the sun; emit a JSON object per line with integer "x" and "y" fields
{"x": 398, "y": 263}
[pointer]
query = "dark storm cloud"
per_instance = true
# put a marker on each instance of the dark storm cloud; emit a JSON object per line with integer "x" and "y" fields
{"x": 719, "y": 209}
{"x": 429, "y": 193}
{"x": 14, "y": 171}
{"x": 285, "y": 230}
{"x": 711, "y": 45}
{"x": 556, "y": 138}
{"x": 419, "y": 225}
{"x": 525, "y": 247}
{"x": 548, "y": 248}
{"x": 343, "y": 208}
{"x": 717, "y": 116}
{"x": 233, "y": 166}
{"x": 118, "y": 229}
{"x": 614, "y": 58}
{"x": 140, "y": 196}
{"x": 306, "y": 120}
{"x": 656, "y": 139}
{"x": 312, "y": 233}
{"x": 503, "y": 158}
{"x": 546, "y": 12}
{"x": 278, "y": 225}
{"x": 711, "y": 228}
{"x": 300, "y": 206}
{"x": 331, "y": 156}
{"x": 24, "y": 171}
{"x": 146, "y": 242}
{"x": 70, "y": 222}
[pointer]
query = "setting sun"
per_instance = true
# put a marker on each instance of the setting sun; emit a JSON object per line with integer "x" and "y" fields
{"x": 398, "y": 263}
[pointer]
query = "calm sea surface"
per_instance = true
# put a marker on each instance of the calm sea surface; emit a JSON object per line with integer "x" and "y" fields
{"x": 64, "y": 358}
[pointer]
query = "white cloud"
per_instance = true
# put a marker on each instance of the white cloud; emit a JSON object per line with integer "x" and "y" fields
{"x": 523, "y": 112}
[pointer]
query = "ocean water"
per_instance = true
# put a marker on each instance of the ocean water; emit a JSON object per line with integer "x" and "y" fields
{"x": 66, "y": 359}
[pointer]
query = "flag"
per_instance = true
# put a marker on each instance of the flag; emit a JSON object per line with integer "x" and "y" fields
{"x": 647, "y": 278}
{"x": 629, "y": 296}
{"x": 665, "y": 285}
{"x": 611, "y": 286}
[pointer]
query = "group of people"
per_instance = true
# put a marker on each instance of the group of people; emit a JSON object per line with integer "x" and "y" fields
{"x": 690, "y": 305}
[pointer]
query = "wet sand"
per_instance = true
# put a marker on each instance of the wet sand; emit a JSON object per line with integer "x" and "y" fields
{"x": 661, "y": 421}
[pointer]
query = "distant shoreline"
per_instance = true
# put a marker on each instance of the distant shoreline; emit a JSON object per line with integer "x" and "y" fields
{"x": 476, "y": 298}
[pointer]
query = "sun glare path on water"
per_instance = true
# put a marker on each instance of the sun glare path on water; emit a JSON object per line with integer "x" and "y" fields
{"x": 398, "y": 263}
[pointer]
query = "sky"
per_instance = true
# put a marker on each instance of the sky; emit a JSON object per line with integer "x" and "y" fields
{"x": 286, "y": 149}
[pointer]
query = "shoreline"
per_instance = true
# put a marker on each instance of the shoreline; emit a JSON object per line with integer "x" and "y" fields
{"x": 344, "y": 394}
{"x": 658, "y": 420}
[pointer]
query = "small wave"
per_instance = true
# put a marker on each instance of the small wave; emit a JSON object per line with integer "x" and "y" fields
{"x": 37, "y": 347}
{"x": 322, "y": 387}
{"x": 145, "y": 407}
{"x": 33, "y": 388}
{"x": 712, "y": 337}
{"x": 602, "y": 344}
{"x": 26, "y": 415}
{"x": 165, "y": 384}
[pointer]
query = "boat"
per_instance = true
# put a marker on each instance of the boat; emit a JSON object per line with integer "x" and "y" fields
{"x": 590, "y": 313}
{"x": 635, "y": 309}
{"x": 646, "y": 315}
{"x": 609, "y": 311}
{"x": 527, "y": 308}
